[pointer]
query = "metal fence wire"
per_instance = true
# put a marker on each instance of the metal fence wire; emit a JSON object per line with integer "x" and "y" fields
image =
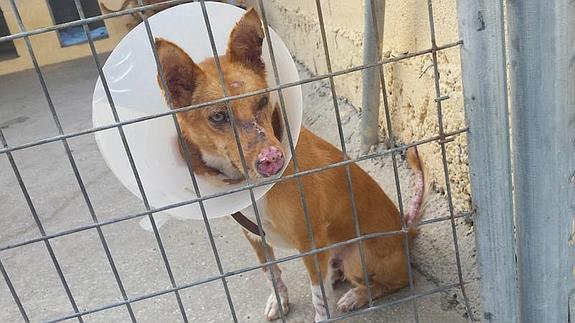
{"x": 377, "y": 66}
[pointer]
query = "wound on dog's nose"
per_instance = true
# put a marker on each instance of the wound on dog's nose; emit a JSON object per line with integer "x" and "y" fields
{"x": 270, "y": 161}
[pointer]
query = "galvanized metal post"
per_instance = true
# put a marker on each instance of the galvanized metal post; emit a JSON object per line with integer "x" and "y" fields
{"x": 481, "y": 26}
{"x": 542, "y": 60}
{"x": 372, "y": 38}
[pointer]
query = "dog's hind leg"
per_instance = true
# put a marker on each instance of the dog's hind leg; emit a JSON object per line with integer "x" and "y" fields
{"x": 387, "y": 274}
{"x": 357, "y": 297}
{"x": 272, "y": 309}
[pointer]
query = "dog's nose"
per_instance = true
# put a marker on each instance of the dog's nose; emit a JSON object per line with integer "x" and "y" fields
{"x": 270, "y": 161}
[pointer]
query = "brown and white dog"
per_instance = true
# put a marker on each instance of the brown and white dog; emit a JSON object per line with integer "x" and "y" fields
{"x": 210, "y": 139}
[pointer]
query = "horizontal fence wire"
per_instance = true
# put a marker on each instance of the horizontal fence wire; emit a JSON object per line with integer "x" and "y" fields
{"x": 228, "y": 99}
{"x": 411, "y": 298}
{"x": 243, "y": 188}
{"x": 241, "y": 271}
{"x": 442, "y": 138}
{"x": 80, "y": 22}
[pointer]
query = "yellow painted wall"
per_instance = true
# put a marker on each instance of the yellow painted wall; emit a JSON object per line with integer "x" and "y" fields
{"x": 36, "y": 14}
{"x": 410, "y": 83}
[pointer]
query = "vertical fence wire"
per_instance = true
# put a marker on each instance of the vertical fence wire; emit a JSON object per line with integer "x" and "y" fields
{"x": 70, "y": 158}
{"x": 175, "y": 289}
{"x": 356, "y": 223}
{"x": 15, "y": 296}
{"x": 267, "y": 254}
{"x": 296, "y": 170}
{"x": 187, "y": 157}
{"x": 132, "y": 165}
{"x": 442, "y": 142}
{"x": 392, "y": 144}
{"x": 87, "y": 199}
{"x": 39, "y": 225}
{"x": 180, "y": 138}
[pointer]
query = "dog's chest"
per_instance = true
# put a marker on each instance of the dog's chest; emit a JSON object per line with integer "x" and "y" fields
{"x": 273, "y": 237}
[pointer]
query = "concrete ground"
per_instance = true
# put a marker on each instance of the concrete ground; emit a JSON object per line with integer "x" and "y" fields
{"x": 24, "y": 117}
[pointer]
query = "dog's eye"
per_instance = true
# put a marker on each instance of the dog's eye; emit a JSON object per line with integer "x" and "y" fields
{"x": 263, "y": 102}
{"x": 218, "y": 118}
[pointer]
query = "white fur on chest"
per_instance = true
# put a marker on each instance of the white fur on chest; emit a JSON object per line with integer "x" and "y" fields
{"x": 222, "y": 164}
{"x": 273, "y": 238}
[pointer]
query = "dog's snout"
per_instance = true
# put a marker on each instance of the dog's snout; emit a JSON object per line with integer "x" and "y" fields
{"x": 270, "y": 161}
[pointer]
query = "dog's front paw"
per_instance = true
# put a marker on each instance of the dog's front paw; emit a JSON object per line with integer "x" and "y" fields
{"x": 272, "y": 310}
{"x": 320, "y": 316}
{"x": 320, "y": 310}
{"x": 348, "y": 301}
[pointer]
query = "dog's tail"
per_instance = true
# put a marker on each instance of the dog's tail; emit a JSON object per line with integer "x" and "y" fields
{"x": 422, "y": 190}
{"x": 105, "y": 9}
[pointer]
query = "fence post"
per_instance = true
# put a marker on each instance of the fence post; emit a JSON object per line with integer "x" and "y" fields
{"x": 542, "y": 60}
{"x": 481, "y": 27}
{"x": 372, "y": 38}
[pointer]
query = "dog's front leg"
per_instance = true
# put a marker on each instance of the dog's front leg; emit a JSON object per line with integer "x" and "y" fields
{"x": 272, "y": 309}
{"x": 317, "y": 297}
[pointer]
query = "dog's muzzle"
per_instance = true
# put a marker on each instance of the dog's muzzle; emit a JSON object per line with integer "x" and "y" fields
{"x": 270, "y": 161}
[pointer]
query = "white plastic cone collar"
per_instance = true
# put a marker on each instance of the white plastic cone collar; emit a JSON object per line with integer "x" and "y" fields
{"x": 132, "y": 78}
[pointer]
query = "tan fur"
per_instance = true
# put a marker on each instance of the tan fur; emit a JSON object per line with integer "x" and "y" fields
{"x": 326, "y": 193}
{"x": 190, "y": 83}
{"x": 329, "y": 205}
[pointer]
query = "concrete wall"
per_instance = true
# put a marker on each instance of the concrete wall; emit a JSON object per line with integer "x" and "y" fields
{"x": 410, "y": 83}
{"x": 36, "y": 14}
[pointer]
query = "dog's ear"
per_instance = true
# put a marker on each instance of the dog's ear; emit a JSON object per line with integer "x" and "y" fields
{"x": 180, "y": 73}
{"x": 245, "y": 45}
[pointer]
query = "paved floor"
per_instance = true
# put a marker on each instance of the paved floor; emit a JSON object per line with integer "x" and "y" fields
{"x": 55, "y": 193}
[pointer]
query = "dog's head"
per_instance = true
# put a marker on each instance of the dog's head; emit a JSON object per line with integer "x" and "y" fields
{"x": 209, "y": 129}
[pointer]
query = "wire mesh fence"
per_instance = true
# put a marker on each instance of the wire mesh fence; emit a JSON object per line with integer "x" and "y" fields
{"x": 442, "y": 138}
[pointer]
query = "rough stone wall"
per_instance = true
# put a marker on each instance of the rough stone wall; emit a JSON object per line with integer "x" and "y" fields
{"x": 410, "y": 83}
